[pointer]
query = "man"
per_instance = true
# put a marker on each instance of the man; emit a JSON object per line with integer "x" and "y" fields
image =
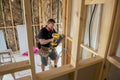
{"x": 45, "y": 38}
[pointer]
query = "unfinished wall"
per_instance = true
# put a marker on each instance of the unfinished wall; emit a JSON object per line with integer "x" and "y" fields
{"x": 11, "y": 15}
{"x": 93, "y": 27}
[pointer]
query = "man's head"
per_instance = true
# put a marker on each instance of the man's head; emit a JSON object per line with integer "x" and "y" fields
{"x": 50, "y": 23}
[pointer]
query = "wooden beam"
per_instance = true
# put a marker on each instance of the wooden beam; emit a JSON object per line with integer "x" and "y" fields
{"x": 68, "y": 17}
{"x": 14, "y": 67}
{"x": 82, "y": 29}
{"x": 88, "y": 2}
{"x": 89, "y": 49}
{"x": 106, "y": 26}
{"x": 64, "y": 7}
{"x": 115, "y": 33}
{"x": 8, "y": 27}
{"x": 79, "y": 24}
{"x": 39, "y": 12}
{"x": 114, "y": 60}
{"x": 28, "y": 27}
{"x": 56, "y": 72}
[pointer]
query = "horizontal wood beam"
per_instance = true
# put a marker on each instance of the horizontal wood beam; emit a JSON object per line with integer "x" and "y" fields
{"x": 8, "y": 27}
{"x": 89, "y": 49}
{"x": 56, "y": 72}
{"x": 114, "y": 60}
{"x": 14, "y": 67}
{"x": 90, "y": 61}
{"x": 87, "y": 2}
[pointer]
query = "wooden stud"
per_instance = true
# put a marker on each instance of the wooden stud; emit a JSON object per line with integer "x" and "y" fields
{"x": 64, "y": 2}
{"x": 28, "y": 23}
{"x": 82, "y": 29}
{"x": 106, "y": 27}
{"x": 115, "y": 34}
{"x": 39, "y": 12}
{"x": 114, "y": 41}
{"x": 79, "y": 23}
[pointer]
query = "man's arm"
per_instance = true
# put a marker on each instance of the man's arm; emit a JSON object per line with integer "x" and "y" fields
{"x": 44, "y": 41}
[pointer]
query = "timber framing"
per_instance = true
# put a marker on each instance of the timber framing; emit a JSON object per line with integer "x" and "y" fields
{"x": 76, "y": 64}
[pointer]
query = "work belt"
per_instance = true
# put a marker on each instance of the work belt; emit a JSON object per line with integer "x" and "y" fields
{"x": 44, "y": 50}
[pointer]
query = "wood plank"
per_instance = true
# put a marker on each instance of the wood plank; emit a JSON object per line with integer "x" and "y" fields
{"x": 28, "y": 27}
{"x": 115, "y": 34}
{"x": 89, "y": 49}
{"x": 88, "y": 2}
{"x": 106, "y": 24}
{"x": 82, "y": 29}
{"x": 114, "y": 60}
{"x": 106, "y": 27}
{"x": 64, "y": 7}
{"x": 14, "y": 67}
{"x": 56, "y": 72}
{"x": 68, "y": 17}
{"x": 79, "y": 29}
{"x": 8, "y": 27}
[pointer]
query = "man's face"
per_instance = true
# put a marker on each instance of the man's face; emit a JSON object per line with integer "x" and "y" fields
{"x": 51, "y": 25}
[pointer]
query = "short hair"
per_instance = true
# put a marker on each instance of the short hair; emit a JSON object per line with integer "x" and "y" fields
{"x": 50, "y": 21}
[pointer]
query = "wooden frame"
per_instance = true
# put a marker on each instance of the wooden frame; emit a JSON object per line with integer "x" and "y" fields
{"x": 77, "y": 40}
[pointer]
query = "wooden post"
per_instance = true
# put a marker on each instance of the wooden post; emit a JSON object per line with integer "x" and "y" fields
{"x": 28, "y": 23}
{"x": 64, "y": 29}
{"x": 79, "y": 23}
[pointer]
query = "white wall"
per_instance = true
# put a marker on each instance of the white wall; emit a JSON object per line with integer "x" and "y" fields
{"x": 22, "y": 38}
{"x": 2, "y": 41}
